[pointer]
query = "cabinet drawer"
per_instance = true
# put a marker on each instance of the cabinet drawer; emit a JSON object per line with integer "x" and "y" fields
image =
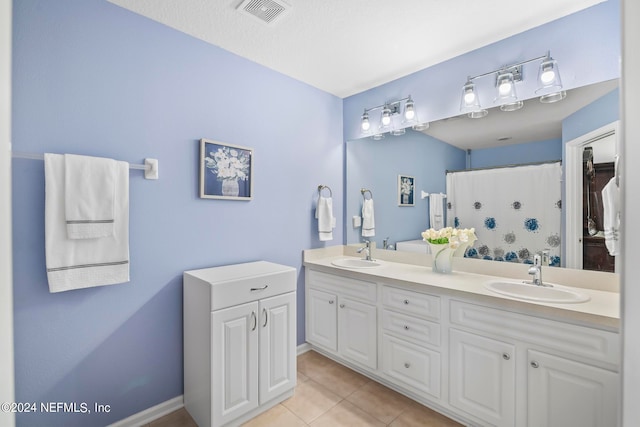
{"x": 359, "y": 289}
{"x": 411, "y": 327}
{"x": 412, "y": 366}
{"x": 411, "y": 302}
{"x": 578, "y": 340}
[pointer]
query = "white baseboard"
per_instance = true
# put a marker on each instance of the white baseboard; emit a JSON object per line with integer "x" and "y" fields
{"x": 303, "y": 348}
{"x": 151, "y": 414}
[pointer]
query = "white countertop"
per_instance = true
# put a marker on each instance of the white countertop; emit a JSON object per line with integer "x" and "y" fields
{"x": 602, "y": 311}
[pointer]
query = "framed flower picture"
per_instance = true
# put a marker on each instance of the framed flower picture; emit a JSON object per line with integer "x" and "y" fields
{"x": 226, "y": 171}
{"x": 406, "y": 190}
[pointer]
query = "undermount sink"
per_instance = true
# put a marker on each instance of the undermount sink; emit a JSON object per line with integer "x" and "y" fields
{"x": 528, "y": 291}
{"x": 355, "y": 263}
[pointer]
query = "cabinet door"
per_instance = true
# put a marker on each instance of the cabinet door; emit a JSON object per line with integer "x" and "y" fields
{"x": 482, "y": 377}
{"x": 277, "y": 345}
{"x": 321, "y": 319}
{"x": 565, "y": 393}
{"x": 234, "y": 362}
{"x": 357, "y": 332}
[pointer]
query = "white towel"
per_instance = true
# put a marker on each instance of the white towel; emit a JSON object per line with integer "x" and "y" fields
{"x": 611, "y": 216}
{"x": 89, "y": 184}
{"x": 368, "y": 219}
{"x": 82, "y": 263}
{"x": 326, "y": 220}
{"x": 436, "y": 214}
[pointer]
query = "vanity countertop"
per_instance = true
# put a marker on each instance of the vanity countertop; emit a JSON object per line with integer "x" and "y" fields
{"x": 602, "y": 311}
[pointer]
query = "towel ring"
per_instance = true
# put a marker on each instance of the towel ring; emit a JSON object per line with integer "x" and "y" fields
{"x": 364, "y": 192}
{"x": 322, "y": 187}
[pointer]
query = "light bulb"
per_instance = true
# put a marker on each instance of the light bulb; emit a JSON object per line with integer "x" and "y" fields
{"x": 409, "y": 112}
{"x": 505, "y": 87}
{"x": 386, "y": 116}
{"x": 548, "y": 75}
{"x": 365, "y": 124}
{"x": 469, "y": 96}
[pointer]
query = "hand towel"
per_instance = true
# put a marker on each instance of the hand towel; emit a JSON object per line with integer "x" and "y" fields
{"x": 89, "y": 184}
{"x": 611, "y": 216}
{"x": 326, "y": 220}
{"x": 436, "y": 214}
{"x": 83, "y": 263}
{"x": 368, "y": 219}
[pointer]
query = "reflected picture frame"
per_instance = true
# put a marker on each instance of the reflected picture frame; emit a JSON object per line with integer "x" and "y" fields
{"x": 406, "y": 190}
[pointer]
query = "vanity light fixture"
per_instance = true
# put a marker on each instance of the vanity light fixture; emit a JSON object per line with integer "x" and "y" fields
{"x": 389, "y": 119}
{"x": 549, "y": 87}
{"x": 550, "y": 84}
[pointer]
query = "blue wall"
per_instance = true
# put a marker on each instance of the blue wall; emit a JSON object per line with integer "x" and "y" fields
{"x": 375, "y": 165}
{"x": 530, "y": 152}
{"x": 92, "y": 78}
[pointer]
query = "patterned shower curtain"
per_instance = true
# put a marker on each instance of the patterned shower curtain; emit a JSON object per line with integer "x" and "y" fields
{"x": 516, "y": 211}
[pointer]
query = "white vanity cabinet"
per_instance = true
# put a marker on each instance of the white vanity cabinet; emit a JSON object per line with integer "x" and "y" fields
{"x": 239, "y": 341}
{"x": 483, "y": 361}
{"x": 565, "y": 375}
{"x": 341, "y": 316}
{"x": 411, "y": 340}
{"x": 482, "y": 377}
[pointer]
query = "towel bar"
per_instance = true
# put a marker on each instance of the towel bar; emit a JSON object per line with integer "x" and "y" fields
{"x": 150, "y": 166}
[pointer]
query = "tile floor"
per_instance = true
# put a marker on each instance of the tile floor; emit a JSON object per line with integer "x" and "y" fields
{"x": 330, "y": 395}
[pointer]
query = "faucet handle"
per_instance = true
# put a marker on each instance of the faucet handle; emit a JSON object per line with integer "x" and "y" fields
{"x": 545, "y": 257}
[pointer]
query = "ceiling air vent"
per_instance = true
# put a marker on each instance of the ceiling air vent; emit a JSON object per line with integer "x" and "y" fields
{"x": 267, "y": 11}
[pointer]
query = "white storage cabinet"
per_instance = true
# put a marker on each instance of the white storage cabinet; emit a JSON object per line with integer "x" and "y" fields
{"x": 239, "y": 341}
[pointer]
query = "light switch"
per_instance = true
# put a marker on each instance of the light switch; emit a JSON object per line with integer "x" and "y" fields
{"x": 357, "y": 221}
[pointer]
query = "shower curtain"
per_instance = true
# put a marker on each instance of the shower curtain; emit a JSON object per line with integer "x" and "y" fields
{"x": 516, "y": 211}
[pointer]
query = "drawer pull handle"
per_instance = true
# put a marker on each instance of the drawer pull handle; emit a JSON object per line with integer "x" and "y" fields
{"x": 331, "y": 301}
{"x": 506, "y": 356}
{"x": 255, "y": 320}
{"x": 406, "y": 302}
{"x": 406, "y": 327}
{"x": 534, "y": 364}
{"x": 264, "y": 311}
{"x": 407, "y": 365}
{"x": 341, "y": 305}
{"x": 261, "y": 288}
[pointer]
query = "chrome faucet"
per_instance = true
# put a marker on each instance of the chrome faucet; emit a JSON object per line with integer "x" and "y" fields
{"x": 367, "y": 250}
{"x": 536, "y": 269}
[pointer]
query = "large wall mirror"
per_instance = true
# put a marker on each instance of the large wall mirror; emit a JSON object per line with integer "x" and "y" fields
{"x": 537, "y": 133}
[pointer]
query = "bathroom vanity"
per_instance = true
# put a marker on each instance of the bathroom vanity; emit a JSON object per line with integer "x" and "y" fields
{"x": 239, "y": 341}
{"x": 448, "y": 342}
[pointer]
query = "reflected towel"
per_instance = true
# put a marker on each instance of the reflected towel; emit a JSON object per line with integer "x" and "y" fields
{"x": 611, "y": 216}
{"x": 368, "y": 219}
{"x": 89, "y": 191}
{"x": 436, "y": 211}
{"x": 83, "y": 263}
{"x": 326, "y": 220}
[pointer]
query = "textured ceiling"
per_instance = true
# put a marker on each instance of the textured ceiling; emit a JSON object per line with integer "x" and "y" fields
{"x": 348, "y": 46}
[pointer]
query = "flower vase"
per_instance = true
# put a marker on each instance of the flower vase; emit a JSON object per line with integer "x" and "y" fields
{"x": 230, "y": 188}
{"x": 442, "y": 257}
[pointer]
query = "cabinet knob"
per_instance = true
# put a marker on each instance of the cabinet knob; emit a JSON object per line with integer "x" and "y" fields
{"x": 406, "y": 327}
{"x": 406, "y": 302}
{"x": 534, "y": 364}
{"x": 341, "y": 305}
{"x": 407, "y": 365}
{"x": 331, "y": 301}
{"x": 506, "y": 356}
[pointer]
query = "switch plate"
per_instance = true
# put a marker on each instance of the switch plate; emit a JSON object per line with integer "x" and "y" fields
{"x": 357, "y": 221}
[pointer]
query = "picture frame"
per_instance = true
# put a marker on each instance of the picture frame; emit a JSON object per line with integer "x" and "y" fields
{"x": 226, "y": 171}
{"x": 406, "y": 190}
